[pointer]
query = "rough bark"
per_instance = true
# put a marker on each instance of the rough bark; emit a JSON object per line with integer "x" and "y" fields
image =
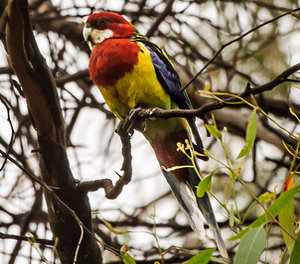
{"x": 41, "y": 95}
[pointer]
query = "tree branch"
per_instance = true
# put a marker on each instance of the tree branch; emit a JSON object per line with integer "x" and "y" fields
{"x": 238, "y": 39}
{"x": 160, "y": 18}
{"x": 42, "y": 99}
{"x": 201, "y": 111}
{"x": 112, "y": 191}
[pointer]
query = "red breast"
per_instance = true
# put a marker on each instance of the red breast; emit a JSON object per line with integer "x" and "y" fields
{"x": 111, "y": 60}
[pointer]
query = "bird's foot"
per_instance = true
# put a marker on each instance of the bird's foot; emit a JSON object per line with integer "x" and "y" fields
{"x": 129, "y": 123}
{"x": 150, "y": 112}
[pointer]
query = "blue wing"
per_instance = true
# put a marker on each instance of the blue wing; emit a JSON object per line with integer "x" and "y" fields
{"x": 169, "y": 80}
{"x": 168, "y": 77}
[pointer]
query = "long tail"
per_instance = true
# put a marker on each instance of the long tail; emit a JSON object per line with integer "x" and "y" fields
{"x": 183, "y": 181}
{"x": 208, "y": 213}
{"x": 198, "y": 146}
{"x": 185, "y": 195}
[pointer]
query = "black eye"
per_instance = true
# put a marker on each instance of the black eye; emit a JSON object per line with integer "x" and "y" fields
{"x": 100, "y": 23}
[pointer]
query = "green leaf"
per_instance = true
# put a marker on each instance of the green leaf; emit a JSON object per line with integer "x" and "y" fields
{"x": 202, "y": 257}
{"x": 295, "y": 256}
{"x": 127, "y": 259}
{"x": 117, "y": 231}
{"x": 250, "y": 135}
{"x": 213, "y": 130}
{"x": 267, "y": 197}
{"x": 272, "y": 211}
{"x": 204, "y": 186}
{"x": 232, "y": 218}
{"x": 284, "y": 257}
{"x": 287, "y": 219}
{"x": 251, "y": 246}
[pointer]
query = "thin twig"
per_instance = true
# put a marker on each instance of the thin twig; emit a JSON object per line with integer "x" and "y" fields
{"x": 27, "y": 238}
{"x": 3, "y": 100}
{"x": 58, "y": 200}
{"x": 113, "y": 191}
{"x": 235, "y": 40}
{"x": 160, "y": 19}
{"x": 199, "y": 112}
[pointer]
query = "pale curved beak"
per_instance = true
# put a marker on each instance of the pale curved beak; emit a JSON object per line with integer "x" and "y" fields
{"x": 87, "y": 31}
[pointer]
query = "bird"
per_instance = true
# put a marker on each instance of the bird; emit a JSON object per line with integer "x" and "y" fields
{"x": 131, "y": 73}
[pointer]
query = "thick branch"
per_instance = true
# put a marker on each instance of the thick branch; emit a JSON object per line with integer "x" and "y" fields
{"x": 112, "y": 191}
{"x": 201, "y": 111}
{"x": 41, "y": 95}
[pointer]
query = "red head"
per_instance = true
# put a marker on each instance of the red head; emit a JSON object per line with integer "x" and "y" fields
{"x": 102, "y": 25}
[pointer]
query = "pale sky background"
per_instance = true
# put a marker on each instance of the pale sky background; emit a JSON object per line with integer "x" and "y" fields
{"x": 93, "y": 132}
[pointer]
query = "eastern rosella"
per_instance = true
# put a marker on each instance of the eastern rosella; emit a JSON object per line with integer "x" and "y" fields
{"x": 132, "y": 72}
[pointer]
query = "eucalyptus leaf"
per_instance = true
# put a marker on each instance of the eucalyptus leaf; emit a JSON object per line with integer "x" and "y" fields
{"x": 202, "y": 257}
{"x": 280, "y": 203}
{"x": 295, "y": 256}
{"x": 127, "y": 259}
{"x": 214, "y": 131}
{"x": 287, "y": 219}
{"x": 250, "y": 136}
{"x": 251, "y": 246}
{"x": 204, "y": 186}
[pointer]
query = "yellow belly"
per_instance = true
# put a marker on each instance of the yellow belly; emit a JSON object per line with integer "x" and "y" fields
{"x": 139, "y": 87}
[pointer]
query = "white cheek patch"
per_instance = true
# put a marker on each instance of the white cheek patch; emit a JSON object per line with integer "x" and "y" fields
{"x": 99, "y": 36}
